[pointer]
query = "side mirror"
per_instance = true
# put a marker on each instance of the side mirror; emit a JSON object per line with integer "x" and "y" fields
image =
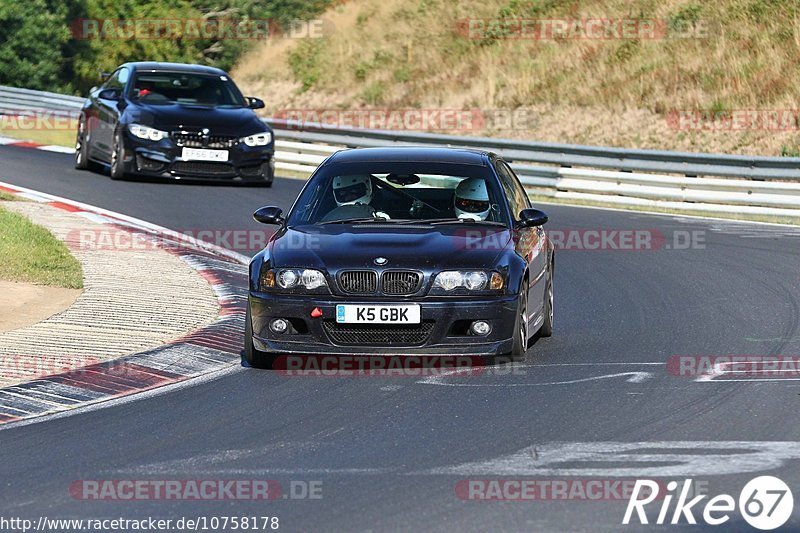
{"x": 109, "y": 94}
{"x": 529, "y": 218}
{"x": 269, "y": 215}
{"x": 254, "y": 103}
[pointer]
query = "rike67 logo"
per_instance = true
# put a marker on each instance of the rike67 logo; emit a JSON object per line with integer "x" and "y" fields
{"x": 765, "y": 503}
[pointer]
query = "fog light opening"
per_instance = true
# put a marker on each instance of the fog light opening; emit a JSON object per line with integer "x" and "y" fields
{"x": 479, "y": 327}
{"x": 278, "y": 325}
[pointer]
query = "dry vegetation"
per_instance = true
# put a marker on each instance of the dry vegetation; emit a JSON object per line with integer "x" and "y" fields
{"x": 398, "y": 54}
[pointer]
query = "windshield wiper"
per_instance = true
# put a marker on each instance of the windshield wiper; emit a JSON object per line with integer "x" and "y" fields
{"x": 359, "y": 220}
{"x": 441, "y": 221}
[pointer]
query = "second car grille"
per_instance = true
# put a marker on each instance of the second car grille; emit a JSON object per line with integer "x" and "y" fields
{"x": 203, "y": 168}
{"x": 378, "y": 334}
{"x": 198, "y": 140}
{"x": 400, "y": 282}
{"x": 358, "y": 281}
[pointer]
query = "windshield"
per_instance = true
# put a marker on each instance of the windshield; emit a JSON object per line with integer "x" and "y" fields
{"x": 400, "y": 192}
{"x": 186, "y": 88}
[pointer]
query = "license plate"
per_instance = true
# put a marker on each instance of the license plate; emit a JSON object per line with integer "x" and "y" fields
{"x": 202, "y": 154}
{"x": 378, "y": 314}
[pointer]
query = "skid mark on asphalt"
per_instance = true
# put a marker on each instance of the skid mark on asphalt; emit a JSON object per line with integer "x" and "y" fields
{"x": 508, "y": 373}
{"x": 633, "y": 377}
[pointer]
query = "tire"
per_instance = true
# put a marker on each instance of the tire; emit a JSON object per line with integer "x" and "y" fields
{"x": 117, "y": 163}
{"x": 522, "y": 334}
{"x": 255, "y": 358}
{"x": 81, "y": 147}
{"x": 547, "y": 325}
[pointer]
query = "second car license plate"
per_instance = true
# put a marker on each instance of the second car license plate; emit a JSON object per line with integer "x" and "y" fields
{"x": 378, "y": 314}
{"x": 202, "y": 154}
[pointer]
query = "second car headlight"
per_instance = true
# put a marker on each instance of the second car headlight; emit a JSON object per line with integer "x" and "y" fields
{"x": 146, "y": 132}
{"x": 259, "y": 139}
{"x": 473, "y": 280}
{"x": 292, "y": 278}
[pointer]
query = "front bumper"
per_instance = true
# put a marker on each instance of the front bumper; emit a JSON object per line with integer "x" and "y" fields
{"x": 163, "y": 159}
{"x": 443, "y": 332}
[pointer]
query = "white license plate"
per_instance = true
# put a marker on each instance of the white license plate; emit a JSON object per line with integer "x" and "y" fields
{"x": 202, "y": 154}
{"x": 378, "y": 314}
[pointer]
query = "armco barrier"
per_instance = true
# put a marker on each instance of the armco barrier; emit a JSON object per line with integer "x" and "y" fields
{"x": 756, "y": 185}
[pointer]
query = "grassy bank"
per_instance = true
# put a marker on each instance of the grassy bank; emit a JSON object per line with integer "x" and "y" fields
{"x": 46, "y": 137}
{"x": 30, "y": 253}
{"x": 717, "y": 58}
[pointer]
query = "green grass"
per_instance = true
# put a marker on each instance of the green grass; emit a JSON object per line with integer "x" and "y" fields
{"x": 29, "y": 253}
{"x": 5, "y": 197}
{"x": 47, "y": 137}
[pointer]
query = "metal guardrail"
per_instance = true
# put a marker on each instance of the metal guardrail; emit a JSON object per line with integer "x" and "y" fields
{"x": 647, "y": 178}
{"x": 14, "y": 101}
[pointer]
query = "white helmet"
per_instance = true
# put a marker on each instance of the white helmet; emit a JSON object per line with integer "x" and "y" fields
{"x": 351, "y": 190}
{"x": 472, "y": 199}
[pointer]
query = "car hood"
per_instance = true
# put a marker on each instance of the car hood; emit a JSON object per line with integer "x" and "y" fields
{"x": 235, "y": 121}
{"x": 333, "y": 247}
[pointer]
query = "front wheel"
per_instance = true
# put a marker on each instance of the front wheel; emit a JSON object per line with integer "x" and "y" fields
{"x": 117, "y": 161}
{"x": 547, "y": 325}
{"x": 519, "y": 346}
{"x": 82, "y": 146}
{"x": 254, "y": 358}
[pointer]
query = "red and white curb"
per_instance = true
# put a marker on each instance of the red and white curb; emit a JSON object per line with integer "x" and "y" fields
{"x": 207, "y": 350}
{"x": 8, "y": 141}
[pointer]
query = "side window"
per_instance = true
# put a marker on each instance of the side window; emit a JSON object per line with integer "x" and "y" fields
{"x": 517, "y": 198}
{"x": 117, "y": 80}
{"x": 522, "y": 194}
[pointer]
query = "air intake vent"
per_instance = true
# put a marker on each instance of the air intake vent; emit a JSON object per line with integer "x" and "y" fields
{"x": 358, "y": 281}
{"x": 401, "y": 282}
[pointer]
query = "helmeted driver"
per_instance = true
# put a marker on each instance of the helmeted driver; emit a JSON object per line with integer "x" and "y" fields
{"x": 472, "y": 199}
{"x": 355, "y": 190}
{"x": 352, "y": 190}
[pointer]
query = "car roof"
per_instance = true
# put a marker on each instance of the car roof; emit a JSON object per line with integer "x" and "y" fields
{"x": 411, "y": 154}
{"x": 157, "y": 66}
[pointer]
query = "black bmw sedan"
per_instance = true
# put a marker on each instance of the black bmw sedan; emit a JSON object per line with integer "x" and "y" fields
{"x": 174, "y": 120}
{"x": 402, "y": 251}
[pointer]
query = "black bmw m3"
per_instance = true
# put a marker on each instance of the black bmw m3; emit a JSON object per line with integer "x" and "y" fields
{"x": 403, "y": 251}
{"x": 174, "y": 120}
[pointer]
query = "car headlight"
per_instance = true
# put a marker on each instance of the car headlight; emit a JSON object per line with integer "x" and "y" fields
{"x": 146, "y": 132}
{"x": 472, "y": 280}
{"x": 259, "y": 139}
{"x": 292, "y": 278}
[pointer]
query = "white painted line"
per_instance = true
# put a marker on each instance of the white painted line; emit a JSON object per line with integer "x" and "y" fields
{"x": 639, "y": 459}
{"x": 58, "y": 149}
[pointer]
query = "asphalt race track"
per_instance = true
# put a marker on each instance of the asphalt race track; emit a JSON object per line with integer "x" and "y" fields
{"x": 390, "y": 452}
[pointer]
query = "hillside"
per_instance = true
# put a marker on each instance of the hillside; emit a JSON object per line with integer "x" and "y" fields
{"x": 728, "y": 70}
